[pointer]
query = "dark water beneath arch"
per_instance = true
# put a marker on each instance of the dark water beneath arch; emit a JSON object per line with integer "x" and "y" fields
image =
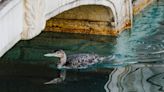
{"x": 137, "y": 67}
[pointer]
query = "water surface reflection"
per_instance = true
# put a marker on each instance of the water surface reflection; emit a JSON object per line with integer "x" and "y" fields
{"x": 137, "y": 78}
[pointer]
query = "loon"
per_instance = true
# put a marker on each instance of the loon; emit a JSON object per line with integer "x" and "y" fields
{"x": 75, "y": 61}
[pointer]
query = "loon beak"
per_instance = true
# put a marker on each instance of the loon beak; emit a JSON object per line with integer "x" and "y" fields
{"x": 50, "y": 55}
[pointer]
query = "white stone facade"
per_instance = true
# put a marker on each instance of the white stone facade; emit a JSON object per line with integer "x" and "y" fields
{"x": 11, "y": 22}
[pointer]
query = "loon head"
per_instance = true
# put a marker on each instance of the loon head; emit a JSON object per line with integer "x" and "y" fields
{"x": 60, "y": 54}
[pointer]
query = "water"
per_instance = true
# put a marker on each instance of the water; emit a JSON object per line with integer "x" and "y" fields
{"x": 137, "y": 67}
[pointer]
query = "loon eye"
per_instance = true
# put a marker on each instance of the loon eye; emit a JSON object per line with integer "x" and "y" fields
{"x": 57, "y": 52}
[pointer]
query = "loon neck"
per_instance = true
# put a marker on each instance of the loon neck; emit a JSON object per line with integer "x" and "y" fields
{"x": 63, "y": 60}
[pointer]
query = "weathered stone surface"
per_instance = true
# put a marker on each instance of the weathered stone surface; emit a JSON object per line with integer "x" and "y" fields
{"x": 91, "y": 19}
{"x": 80, "y": 26}
{"x": 88, "y": 12}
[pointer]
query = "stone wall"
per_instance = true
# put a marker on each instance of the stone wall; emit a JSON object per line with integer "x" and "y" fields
{"x": 89, "y": 19}
{"x": 88, "y": 12}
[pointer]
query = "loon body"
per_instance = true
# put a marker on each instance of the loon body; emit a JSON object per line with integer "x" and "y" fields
{"x": 79, "y": 61}
{"x": 76, "y": 61}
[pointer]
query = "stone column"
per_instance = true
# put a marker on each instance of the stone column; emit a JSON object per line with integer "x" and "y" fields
{"x": 34, "y": 18}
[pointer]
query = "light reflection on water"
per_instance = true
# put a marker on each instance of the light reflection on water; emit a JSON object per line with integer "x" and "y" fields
{"x": 136, "y": 79}
{"x": 24, "y": 68}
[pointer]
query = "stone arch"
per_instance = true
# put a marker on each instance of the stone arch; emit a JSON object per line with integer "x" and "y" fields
{"x": 37, "y": 12}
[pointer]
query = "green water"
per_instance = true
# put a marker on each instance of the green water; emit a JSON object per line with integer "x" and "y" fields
{"x": 137, "y": 65}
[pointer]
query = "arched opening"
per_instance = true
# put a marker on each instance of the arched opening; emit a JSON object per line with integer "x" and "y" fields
{"x": 87, "y": 19}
